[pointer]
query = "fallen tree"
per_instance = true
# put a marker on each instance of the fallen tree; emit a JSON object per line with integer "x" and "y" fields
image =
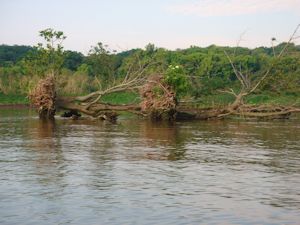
{"x": 158, "y": 103}
{"x": 158, "y": 98}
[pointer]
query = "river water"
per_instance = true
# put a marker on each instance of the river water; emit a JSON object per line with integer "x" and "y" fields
{"x": 137, "y": 172}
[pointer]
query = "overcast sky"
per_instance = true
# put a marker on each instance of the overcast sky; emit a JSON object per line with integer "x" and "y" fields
{"x": 126, "y": 24}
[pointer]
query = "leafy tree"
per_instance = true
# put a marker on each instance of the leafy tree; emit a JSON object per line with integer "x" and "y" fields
{"x": 101, "y": 62}
{"x": 48, "y": 57}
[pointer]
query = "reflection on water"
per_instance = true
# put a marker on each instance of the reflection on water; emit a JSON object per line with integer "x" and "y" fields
{"x": 137, "y": 172}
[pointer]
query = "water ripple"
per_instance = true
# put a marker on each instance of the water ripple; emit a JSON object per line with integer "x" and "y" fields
{"x": 136, "y": 172}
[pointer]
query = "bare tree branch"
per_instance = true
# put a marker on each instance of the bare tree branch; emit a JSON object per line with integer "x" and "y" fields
{"x": 278, "y": 56}
{"x": 292, "y": 37}
{"x": 236, "y": 72}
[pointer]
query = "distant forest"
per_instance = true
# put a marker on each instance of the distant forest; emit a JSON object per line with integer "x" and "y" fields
{"x": 198, "y": 71}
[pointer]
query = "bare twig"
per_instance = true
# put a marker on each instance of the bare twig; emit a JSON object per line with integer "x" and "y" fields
{"x": 239, "y": 41}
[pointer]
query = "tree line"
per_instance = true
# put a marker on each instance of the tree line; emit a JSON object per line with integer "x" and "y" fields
{"x": 193, "y": 72}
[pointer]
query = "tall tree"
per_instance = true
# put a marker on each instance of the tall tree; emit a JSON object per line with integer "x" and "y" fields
{"x": 47, "y": 57}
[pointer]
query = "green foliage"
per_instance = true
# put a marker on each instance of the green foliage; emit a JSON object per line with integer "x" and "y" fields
{"x": 48, "y": 57}
{"x": 13, "y": 99}
{"x": 73, "y": 60}
{"x": 149, "y": 61}
{"x": 121, "y": 98}
{"x": 176, "y": 77}
{"x": 35, "y": 62}
{"x": 195, "y": 72}
{"x": 10, "y": 55}
{"x": 84, "y": 68}
{"x": 101, "y": 63}
{"x": 285, "y": 76}
{"x": 209, "y": 85}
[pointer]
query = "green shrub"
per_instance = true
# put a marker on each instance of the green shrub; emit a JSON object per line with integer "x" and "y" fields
{"x": 176, "y": 77}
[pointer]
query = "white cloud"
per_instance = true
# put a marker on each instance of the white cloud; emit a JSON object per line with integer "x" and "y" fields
{"x": 235, "y": 7}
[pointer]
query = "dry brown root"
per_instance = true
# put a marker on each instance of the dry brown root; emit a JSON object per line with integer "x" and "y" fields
{"x": 158, "y": 99}
{"x": 43, "y": 97}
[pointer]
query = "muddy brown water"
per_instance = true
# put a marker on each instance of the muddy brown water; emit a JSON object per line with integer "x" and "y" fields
{"x": 136, "y": 172}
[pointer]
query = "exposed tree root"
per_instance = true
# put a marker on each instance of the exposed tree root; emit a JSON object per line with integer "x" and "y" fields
{"x": 43, "y": 97}
{"x": 159, "y": 100}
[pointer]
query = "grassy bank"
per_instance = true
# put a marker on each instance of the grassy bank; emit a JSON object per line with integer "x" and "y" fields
{"x": 284, "y": 99}
{"x": 13, "y": 99}
{"x": 114, "y": 98}
{"x": 220, "y": 100}
{"x": 205, "y": 101}
{"x": 121, "y": 98}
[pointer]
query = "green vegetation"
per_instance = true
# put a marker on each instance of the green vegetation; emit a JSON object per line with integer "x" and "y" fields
{"x": 196, "y": 74}
{"x": 13, "y": 99}
{"x": 121, "y": 98}
{"x": 206, "y": 101}
{"x": 10, "y": 55}
{"x": 254, "y": 99}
